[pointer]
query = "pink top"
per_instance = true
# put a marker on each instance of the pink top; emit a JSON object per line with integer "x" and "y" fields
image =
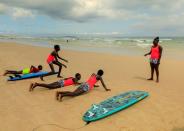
{"x": 155, "y": 54}
{"x": 69, "y": 81}
{"x": 50, "y": 59}
{"x": 92, "y": 81}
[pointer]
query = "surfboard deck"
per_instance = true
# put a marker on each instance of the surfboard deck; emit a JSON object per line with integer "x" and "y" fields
{"x": 113, "y": 105}
{"x": 28, "y": 76}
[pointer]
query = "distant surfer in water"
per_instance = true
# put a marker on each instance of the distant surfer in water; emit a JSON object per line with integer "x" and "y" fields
{"x": 32, "y": 69}
{"x": 61, "y": 83}
{"x": 155, "y": 57}
{"x": 53, "y": 59}
{"x": 84, "y": 87}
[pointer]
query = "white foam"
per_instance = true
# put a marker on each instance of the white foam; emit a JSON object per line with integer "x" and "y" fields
{"x": 143, "y": 45}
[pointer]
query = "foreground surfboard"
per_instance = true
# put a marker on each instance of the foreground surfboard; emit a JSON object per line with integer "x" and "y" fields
{"x": 113, "y": 105}
{"x": 28, "y": 76}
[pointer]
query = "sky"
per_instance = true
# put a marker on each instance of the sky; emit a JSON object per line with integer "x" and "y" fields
{"x": 100, "y": 17}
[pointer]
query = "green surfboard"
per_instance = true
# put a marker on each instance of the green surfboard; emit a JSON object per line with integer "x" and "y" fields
{"x": 113, "y": 105}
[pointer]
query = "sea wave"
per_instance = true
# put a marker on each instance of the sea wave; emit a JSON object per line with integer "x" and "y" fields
{"x": 143, "y": 45}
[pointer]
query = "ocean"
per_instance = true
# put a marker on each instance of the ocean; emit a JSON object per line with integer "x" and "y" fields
{"x": 173, "y": 47}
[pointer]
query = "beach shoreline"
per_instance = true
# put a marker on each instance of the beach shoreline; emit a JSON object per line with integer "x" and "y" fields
{"x": 21, "y": 110}
{"x": 125, "y": 46}
{"x": 169, "y": 54}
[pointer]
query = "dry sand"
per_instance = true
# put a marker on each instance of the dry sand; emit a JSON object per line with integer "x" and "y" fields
{"x": 21, "y": 110}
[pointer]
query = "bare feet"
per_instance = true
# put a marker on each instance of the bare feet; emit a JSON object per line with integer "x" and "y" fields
{"x": 60, "y": 98}
{"x": 31, "y": 87}
{"x": 57, "y": 95}
{"x": 59, "y": 76}
{"x": 41, "y": 78}
{"x": 150, "y": 79}
{"x": 5, "y": 73}
{"x": 157, "y": 81}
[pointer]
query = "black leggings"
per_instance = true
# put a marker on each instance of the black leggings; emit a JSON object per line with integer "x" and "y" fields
{"x": 13, "y": 72}
{"x": 76, "y": 92}
{"x": 53, "y": 85}
{"x": 156, "y": 68}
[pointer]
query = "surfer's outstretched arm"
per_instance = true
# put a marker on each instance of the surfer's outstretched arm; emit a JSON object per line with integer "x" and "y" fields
{"x": 32, "y": 67}
{"x": 103, "y": 84}
{"x": 61, "y": 58}
{"x": 160, "y": 50}
{"x": 78, "y": 83}
{"x": 77, "y": 78}
{"x": 147, "y": 53}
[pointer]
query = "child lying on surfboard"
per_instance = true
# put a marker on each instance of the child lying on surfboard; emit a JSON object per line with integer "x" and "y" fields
{"x": 52, "y": 59}
{"x": 84, "y": 87}
{"x": 61, "y": 83}
{"x": 32, "y": 69}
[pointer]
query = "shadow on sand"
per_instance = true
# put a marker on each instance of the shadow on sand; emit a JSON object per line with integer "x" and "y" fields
{"x": 140, "y": 78}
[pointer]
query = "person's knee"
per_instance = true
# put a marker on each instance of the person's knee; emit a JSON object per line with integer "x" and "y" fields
{"x": 58, "y": 63}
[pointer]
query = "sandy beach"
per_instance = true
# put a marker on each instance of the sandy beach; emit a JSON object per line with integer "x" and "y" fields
{"x": 21, "y": 110}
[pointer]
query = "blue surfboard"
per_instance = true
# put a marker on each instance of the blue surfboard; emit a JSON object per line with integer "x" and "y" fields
{"x": 28, "y": 76}
{"x": 113, "y": 105}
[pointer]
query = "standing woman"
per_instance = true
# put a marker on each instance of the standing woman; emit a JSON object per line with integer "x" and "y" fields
{"x": 52, "y": 59}
{"x": 155, "y": 56}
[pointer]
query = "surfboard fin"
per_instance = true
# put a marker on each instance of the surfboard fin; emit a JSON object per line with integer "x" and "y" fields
{"x": 11, "y": 77}
{"x": 17, "y": 75}
{"x": 88, "y": 122}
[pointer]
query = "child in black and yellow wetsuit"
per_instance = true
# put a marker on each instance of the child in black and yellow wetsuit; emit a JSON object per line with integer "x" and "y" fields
{"x": 32, "y": 69}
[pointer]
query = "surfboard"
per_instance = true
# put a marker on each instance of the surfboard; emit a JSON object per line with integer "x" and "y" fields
{"x": 113, "y": 105}
{"x": 28, "y": 76}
